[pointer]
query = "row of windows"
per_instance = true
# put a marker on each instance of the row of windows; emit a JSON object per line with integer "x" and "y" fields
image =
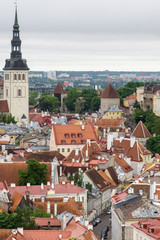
{"x": 63, "y": 150}
{"x": 73, "y": 142}
{"x": 73, "y": 135}
{"x": 18, "y": 92}
{"x": 16, "y": 76}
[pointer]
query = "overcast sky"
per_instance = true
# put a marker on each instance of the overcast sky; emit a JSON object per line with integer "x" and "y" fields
{"x": 84, "y": 34}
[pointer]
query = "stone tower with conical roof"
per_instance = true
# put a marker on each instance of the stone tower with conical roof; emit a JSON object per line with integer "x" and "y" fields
{"x": 60, "y": 93}
{"x": 16, "y": 78}
{"x": 109, "y": 98}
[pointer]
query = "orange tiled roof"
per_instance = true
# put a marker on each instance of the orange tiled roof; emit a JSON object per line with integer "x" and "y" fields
{"x": 5, "y": 233}
{"x": 132, "y": 96}
{"x": 109, "y": 92}
{"x": 71, "y": 206}
{"x": 71, "y": 133}
{"x": 44, "y": 221}
{"x": 136, "y": 152}
{"x": 141, "y": 131}
{"x": 1, "y": 83}
{"x": 59, "y": 89}
{"x": 105, "y": 123}
{"x": 9, "y": 171}
{"x": 123, "y": 164}
{"x": 16, "y": 199}
{"x": 107, "y": 179}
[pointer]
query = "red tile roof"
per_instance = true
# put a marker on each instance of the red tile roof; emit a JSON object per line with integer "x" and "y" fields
{"x": 151, "y": 228}
{"x": 1, "y": 83}
{"x": 9, "y": 171}
{"x": 16, "y": 199}
{"x": 4, "y": 106}
{"x": 59, "y": 89}
{"x": 36, "y": 189}
{"x": 110, "y": 92}
{"x": 44, "y": 221}
{"x": 141, "y": 131}
{"x": 75, "y": 133}
{"x": 5, "y": 233}
{"x": 123, "y": 164}
{"x": 105, "y": 123}
{"x": 132, "y": 96}
{"x": 119, "y": 197}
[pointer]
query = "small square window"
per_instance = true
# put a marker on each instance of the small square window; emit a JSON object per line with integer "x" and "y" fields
{"x": 62, "y": 149}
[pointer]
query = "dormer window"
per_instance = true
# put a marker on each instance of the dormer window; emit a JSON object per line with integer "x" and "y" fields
{"x": 67, "y": 135}
{"x": 80, "y": 135}
{"x": 63, "y": 142}
{"x": 83, "y": 141}
{"x": 73, "y": 142}
{"x": 73, "y": 135}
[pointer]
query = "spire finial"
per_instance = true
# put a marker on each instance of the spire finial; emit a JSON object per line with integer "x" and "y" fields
{"x": 16, "y": 18}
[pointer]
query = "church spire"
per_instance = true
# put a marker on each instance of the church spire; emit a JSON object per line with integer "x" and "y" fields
{"x": 16, "y": 42}
{"x": 16, "y": 61}
{"x": 16, "y": 19}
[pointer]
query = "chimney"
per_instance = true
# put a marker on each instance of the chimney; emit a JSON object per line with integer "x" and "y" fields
{"x": 60, "y": 236}
{"x": 42, "y": 186}
{"x": 72, "y": 182}
{"x": 51, "y": 215}
{"x": 132, "y": 141}
{"x": 77, "y": 218}
{"x": 64, "y": 221}
{"x": 13, "y": 185}
{"x": 52, "y": 186}
{"x": 86, "y": 153}
{"x": 76, "y": 151}
{"x": 83, "y": 127}
{"x": 90, "y": 227}
{"x": 89, "y": 142}
{"x": 48, "y": 183}
{"x": 60, "y": 171}
{"x": 104, "y": 132}
{"x": 27, "y": 196}
{"x": 49, "y": 224}
{"x": 28, "y": 184}
{"x": 63, "y": 182}
{"x": 109, "y": 141}
{"x": 20, "y": 230}
{"x": 48, "y": 207}
{"x": 55, "y": 209}
{"x": 86, "y": 223}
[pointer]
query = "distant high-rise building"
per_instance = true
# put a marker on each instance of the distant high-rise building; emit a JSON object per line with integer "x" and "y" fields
{"x": 16, "y": 78}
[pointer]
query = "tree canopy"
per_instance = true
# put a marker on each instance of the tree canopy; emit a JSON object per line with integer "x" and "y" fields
{"x": 20, "y": 218}
{"x": 151, "y": 121}
{"x": 35, "y": 173}
{"x": 153, "y": 145}
{"x": 33, "y": 97}
{"x": 82, "y": 100}
{"x": 129, "y": 88}
{"x": 48, "y": 102}
{"x": 7, "y": 119}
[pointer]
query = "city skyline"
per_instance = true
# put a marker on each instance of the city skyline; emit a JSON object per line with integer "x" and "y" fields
{"x": 80, "y": 35}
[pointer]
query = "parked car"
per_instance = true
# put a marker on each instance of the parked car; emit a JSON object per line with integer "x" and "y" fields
{"x": 97, "y": 220}
{"x": 94, "y": 223}
{"x": 104, "y": 231}
{"x": 108, "y": 212}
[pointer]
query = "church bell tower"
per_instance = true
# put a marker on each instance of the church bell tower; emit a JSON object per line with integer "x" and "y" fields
{"x": 16, "y": 84}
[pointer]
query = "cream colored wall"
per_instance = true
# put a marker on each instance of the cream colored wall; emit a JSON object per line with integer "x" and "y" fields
{"x": 66, "y": 147}
{"x": 137, "y": 234}
{"x": 17, "y": 105}
{"x": 140, "y": 92}
{"x": 156, "y": 104}
{"x": 107, "y": 103}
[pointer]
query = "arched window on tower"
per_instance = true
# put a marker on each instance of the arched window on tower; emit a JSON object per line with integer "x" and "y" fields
{"x": 15, "y": 76}
{"x": 19, "y": 76}
{"x": 19, "y": 92}
{"x": 23, "y": 77}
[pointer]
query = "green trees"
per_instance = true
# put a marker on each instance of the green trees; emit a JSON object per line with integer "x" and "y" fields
{"x": 33, "y": 97}
{"x": 35, "y": 173}
{"x": 7, "y": 119}
{"x": 77, "y": 178}
{"x": 20, "y": 218}
{"x": 41, "y": 213}
{"x": 129, "y": 88}
{"x": 82, "y": 100}
{"x": 153, "y": 145}
{"x": 151, "y": 121}
{"x": 47, "y": 102}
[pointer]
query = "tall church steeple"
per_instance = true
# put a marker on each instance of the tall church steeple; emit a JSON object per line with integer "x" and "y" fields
{"x": 16, "y": 42}
{"x": 16, "y": 61}
{"x": 16, "y": 78}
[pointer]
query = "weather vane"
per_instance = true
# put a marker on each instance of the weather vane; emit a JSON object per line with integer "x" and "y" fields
{"x": 15, "y": 3}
